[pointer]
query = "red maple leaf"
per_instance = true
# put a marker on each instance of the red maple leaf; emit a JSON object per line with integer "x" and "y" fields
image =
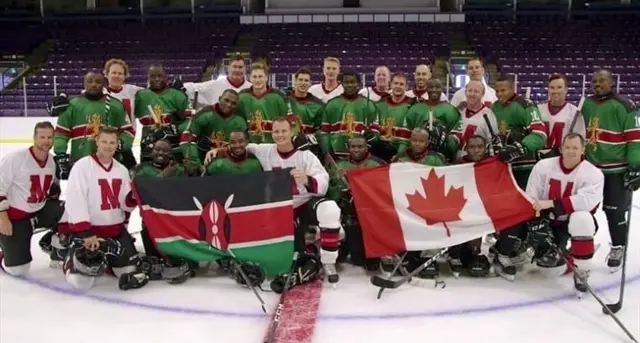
{"x": 437, "y": 206}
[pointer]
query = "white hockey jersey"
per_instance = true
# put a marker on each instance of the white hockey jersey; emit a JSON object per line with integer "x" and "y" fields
{"x": 271, "y": 159}
{"x": 210, "y": 91}
{"x": 424, "y": 95}
{"x": 558, "y": 122}
{"x": 473, "y": 123}
{"x": 25, "y": 183}
{"x": 126, "y": 95}
{"x": 98, "y": 196}
{"x": 488, "y": 99}
{"x": 577, "y": 189}
{"x": 324, "y": 94}
{"x": 372, "y": 93}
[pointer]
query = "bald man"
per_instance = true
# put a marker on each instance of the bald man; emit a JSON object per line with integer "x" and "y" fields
{"x": 613, "y": 145}
{"x": 421, "y": 76}
{"x": 475, "y": 71}
{"x": 380, "y": 89}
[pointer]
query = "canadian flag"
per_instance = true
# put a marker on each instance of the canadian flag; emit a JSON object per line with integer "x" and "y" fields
{"x": 407, "y": 206}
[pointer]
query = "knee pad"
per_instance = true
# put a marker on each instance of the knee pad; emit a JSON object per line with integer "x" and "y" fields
{"x": 582, "y": 228}
{"x": 328, "y": 257}
{"x": 581, "y": 224}
{"x": 18, "y": 270}
{"x": 328, "y": 214}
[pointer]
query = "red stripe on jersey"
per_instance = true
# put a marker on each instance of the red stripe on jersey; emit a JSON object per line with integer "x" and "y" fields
{"x": 148, "y": 121}
{"x": 63, "y": 130}
{"x": 312, "y": 186}
{"x": 567, "y": 205}
{"x": 17, "y": 214}
{"x": 540, "y": 127}
{"x": 632, "y": 135}
{"x": 608, "y": 137}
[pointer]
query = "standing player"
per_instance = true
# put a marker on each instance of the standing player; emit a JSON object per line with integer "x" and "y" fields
{"x": 209, "y": 92}
{"x": 117, "y": 71}
{"x": 571, "y": 189}
{"x": 330, "y": 87}
{"x": 421, "y": 76}
{"x": 380, "y": 89}
{"x": 27, "y": 184}
{"x": 81, "y": 120}
{"x": 305, "y": 114}
{"x": 98, "y": 195}
{"x": 310, "y": 188}
{"x": 475, "y": 71}
{"x": 613, "y": 146}
{"x": 559, "y": 116}
{"x": 392, "y": 115}
{"x": 260, "y": 104}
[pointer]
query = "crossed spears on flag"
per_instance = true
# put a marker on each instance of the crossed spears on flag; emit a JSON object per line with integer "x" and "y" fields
{"x": 215, "y": 214}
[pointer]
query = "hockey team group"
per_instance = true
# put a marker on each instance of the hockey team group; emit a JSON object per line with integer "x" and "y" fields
{"x": 569, "y": 159}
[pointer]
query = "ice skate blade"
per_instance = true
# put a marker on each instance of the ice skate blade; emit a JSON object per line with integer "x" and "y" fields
{"x": 579, "y": 294}
{"x": 55, "y": 264}
{"x": 614, "y": 270}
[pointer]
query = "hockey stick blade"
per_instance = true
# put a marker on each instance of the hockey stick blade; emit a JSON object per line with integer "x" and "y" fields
{"x": 614, "y": 308}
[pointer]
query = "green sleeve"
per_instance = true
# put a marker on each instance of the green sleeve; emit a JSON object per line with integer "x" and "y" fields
{"x": 140, "y": 110}
{"x": 436, "y": 160}
{"x": 181, "y": 103}
{"x": 282, "y": 103}
{"x": 452, "y": 118}
{"x": 333, "y": 192}
{"x": 317, "y": 108}
{"x": 241, "y": 108}
{"x": 413, "y": 116}
{"x": 188, "y": 139}
{"x": 632, "y": 132}
{"x": 144, "y": 169}
{"x": 122, "y": 122}
{"x": 537, "y": 137}
{"x": 324, "y": 134}
{"x": 64, "y": 127}
{"x": 215, "y": 167}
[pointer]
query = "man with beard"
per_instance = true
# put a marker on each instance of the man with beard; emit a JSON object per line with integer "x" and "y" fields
{"x": 359, "y": 157}
{"x": 304, "y": 113}
{"x": 466, "y": 256}
{"x": 392, "y": 115}
{"x": 260, "y": 104}
{"x": 28, "y": 197}
{"x": 345, "y": 116}
{"x": 421, "y": 76}
{"x": 330, "y": 87}
{"x": 613, "y": 146}
{"x": 559, "y": 116}
{"x": 82, "y": 120}
{"x": 380, "y": 90}
{"x": 209, "y": 92}
{"x": 475, "y": 71}
{"x": 438, "y": 116}
{"x": 235, "y": 159}
{"x": 211, "y": 128}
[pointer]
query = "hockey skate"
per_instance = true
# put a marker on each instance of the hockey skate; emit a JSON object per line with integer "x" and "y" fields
{"x": 614, "y": 258}
{"x": 455, "y": 264}
{"x": 551, "y": 263}
{"x": 580, "y": 282}
{"x": 503, "y": 265}
{"x": 331, "y": 274}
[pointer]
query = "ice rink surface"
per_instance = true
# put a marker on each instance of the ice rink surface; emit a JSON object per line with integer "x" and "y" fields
{"x": 42, "y": 308}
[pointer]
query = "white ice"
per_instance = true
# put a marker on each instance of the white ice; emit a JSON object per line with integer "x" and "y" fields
{"x": 531, "y": 309}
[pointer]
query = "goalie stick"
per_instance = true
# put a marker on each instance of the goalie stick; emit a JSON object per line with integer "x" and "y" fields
{"x": 384, "y": 283}
{"x": 275, "y": 321}
{"x": 615, "y": 307}
{"x": 605, "y": 307}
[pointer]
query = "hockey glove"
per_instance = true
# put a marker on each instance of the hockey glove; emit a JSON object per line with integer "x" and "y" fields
{"x": 168, "y": 132}
{"x": 370, "y": 135}
{"x": 304, "y": 142}
{"x": 54, "y": 191}
{"x": 132, "y": 280}
{"x": 204, "y": 143}
{"x": 511, "y": 152}
{"x": 539, "y": 232}
{"x": 383, "y": 150}
{"x": 63, "y": 166}
{"x": 437, "y": 137}
{"x": 111, "y": 248}
{"x": 632, "y": 177}
{"x": 58, "y": 105}
{"x": 496, "y": 143}
{"x": 548, "y": 153}
{"x": 177, "y": 84}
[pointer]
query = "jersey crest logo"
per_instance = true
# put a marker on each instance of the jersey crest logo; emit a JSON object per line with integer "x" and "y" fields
{"x": 94, "y": 125}
{"x": 388, "y": 128}
{"x": 503, "y": 128}
{"x": 217, "y": 139}
{"x": 349, "y": 123}
{"x": 157, "y": 114}
{"x": 257, "y": 123}
{"x": 592, "y": 132}
{"x": 296, "y": 123}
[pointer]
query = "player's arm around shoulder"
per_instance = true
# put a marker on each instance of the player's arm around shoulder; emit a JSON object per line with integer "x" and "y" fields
{"x": 318, "y": 177}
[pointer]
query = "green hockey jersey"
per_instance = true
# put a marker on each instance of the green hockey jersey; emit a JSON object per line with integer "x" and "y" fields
{"x": 426, "y": 158}
{"x": 148, "y": 169}
{"x": 344, "y": 117}
{"x": 209, "y": 122}
{"x": 613, "y": 136}
{"x": 443, "y": 114}
{"x": 336, "y": 184}
{"x": 305, "y": 113}
{"x": 80, "y": 123}
{"x": 227, "y": 164}
{"x": 260, "y": 111}
{"x": 520, "y": 120}
{"x": 157, "y": 108}
{"x": 393, "y": 121}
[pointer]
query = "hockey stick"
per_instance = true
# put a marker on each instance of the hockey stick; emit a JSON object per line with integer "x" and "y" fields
{"x": 248, "y": 281}
{"x": 275, "y": 321}
{"x": 492, "y": 132}
{"x": 382, "y": 282}
{"x": 605, "y": 308}
{"x": 615, "y": 307}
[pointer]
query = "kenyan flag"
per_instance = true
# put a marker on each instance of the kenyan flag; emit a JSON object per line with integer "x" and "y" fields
{"x": 249, "y": 217}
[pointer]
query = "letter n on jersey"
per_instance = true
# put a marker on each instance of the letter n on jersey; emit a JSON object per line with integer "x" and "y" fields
{"x": 555, "y": 189}
{"x": 110, "y": 193}
{"x": 38, "y": 191}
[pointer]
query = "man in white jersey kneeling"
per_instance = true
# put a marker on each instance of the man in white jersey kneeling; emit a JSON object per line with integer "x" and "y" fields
{"x": 311, "y": 185}
{"x": 98, "y": 197}
{"x": 568, "y": 190}
{"x": 28, "y": 199}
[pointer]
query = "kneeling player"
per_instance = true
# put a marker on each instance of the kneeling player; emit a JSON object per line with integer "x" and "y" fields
{"x": 26, "y": 184}
{"x": 571, "y": 189}
{"x": 98, "y": 194}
